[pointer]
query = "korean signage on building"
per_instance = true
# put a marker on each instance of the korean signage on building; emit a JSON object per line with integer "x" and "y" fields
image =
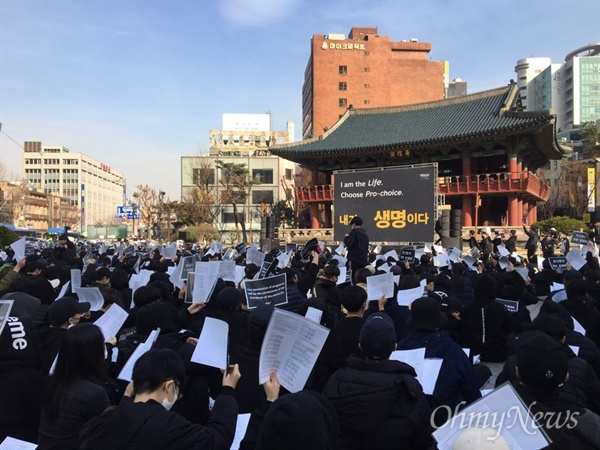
{"x": 396, "y": 205}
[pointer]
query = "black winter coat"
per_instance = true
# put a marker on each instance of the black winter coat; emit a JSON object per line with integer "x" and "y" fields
{"x": 150, "y": 426}
{"x": 380, "y": 405}
{"x": 357, "y": 243}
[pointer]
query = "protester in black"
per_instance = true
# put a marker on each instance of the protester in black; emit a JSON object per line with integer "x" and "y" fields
{"x": 357, "y": 243}
{"x": 145, "y": 421}
{"x": 380, "y": 404}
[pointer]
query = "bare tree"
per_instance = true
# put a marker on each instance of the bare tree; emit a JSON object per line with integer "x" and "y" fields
{"x": 150, "y": 201}
{"x": 574, "y": 186}
{"x": 207, "y": 205}
{"x": 237, "y": 185}
{"x": 557, "y": 196}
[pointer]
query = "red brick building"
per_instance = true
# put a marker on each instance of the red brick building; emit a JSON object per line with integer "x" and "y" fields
{"x": 365, "y": 70}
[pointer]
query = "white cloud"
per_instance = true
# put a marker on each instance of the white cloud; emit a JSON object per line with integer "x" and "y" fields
{"x": 257, "y": 13}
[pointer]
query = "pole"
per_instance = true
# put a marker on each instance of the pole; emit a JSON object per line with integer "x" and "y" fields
{"x": 477, "y": 200}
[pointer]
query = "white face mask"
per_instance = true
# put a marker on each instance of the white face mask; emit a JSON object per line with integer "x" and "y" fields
{"x": 168, "y": 404}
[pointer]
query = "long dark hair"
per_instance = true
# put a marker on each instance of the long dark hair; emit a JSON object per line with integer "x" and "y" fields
{"x": 80, "y": 356}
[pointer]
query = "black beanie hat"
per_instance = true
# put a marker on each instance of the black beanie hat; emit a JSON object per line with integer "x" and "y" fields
{"x": 377, "y": 336}
{"x": 485, "y": 288}
{"x": 258, "y": 321}
{"x": 300, "y": 421}
{"x": 542, "y": 362}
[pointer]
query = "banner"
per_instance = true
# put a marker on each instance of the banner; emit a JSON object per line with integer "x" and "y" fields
{"x": 396, "y": 205}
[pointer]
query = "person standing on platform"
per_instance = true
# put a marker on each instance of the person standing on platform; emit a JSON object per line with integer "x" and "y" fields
{"x": 357, "y": 243}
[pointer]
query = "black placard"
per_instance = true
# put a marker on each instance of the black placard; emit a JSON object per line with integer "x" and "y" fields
{"x": 407, "y": 254}
{"x": 579, "y": 237}
{"x": 557, "y": 262}
{"x": 511, "y": 305}
{"x": 396, "y": 204}
{"x": 266, "y": 290}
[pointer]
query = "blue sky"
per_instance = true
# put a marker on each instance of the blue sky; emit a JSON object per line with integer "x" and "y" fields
{"x": 137, "y": 84}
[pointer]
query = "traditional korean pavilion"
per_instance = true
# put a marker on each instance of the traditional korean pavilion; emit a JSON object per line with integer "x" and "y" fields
{"x": 487, "y": 149}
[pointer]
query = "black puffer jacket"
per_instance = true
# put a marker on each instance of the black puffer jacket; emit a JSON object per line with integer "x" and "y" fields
{"x": 581, "y": 389}
{"x": 380, "y": 405}
{"x": 328, "y": 291}
{"x": 357, "y": 243}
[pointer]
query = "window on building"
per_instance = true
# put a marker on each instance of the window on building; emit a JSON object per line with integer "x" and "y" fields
{"x": 288, "y": 174}
{"x": 343, "y": 102}
{"x": 367, "y": 102}
{"x": 367, "y": 69}
{"x": 203, "y": 176}
{"x": 238, "y": 196}
{"x": 343, "y": 86}
{"x": 265, "y": 176}
{"x": 343, "y": 70}
{"x": 367, "y": 53}
{"x": 262, "y": 196}
{"x": 367, "y": 85}
{"x": 229, "y": 217}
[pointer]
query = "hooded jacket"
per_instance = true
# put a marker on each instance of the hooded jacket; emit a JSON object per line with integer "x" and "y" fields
{"x": 21, "y": 380}
{"x": 490, "y": 320}
{"x": 380, "y": 405}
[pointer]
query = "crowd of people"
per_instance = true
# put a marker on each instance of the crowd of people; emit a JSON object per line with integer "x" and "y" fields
{"x": 58, "y": 372}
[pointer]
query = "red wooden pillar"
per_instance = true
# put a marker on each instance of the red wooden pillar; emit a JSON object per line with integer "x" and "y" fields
{"x": 467, "y": 205}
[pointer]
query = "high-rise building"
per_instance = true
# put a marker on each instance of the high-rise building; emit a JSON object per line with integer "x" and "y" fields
{"x": 245, "y": 139}
{"x": 95, "y": 188}
{"x": 570, "y": 89}
{"x": 365, "y": 70}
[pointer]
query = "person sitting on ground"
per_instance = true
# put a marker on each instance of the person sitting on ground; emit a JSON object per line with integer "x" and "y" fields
{"x": 347, "y": 330}
{"x": 75, "y": 393}
{"x": 145, "y": 420}
{"x": 63, "y": 313}
{"x": 379, "y": 402}
{"x": 542, "y": 367}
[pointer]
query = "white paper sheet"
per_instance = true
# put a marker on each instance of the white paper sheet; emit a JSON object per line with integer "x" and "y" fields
{"x": 575, "y": 258}
{"x": 284, "y": 259}
{"x": 380, "y": 285}
{"x": 206, "y": 278}
{"x": 126, "y": 373}
{"x": 508, "y": 409}
{"x": 391, "y": 253}
{"x": 574, "y": 349}
{"x": 314, "y": 314}
{"x": 11, "y": 443}
{"x": 226, "y": 270}
{"x": 75, "y": 278}
{"x": 556, "y": 287}
{"x": 240, "y": 272}
{"x": 441, "y": 260}
{"x": 240, "y": 430}
{"x": 439, "y": 249}
{"x": 63, "y": 290}
{"x": 427, "y": 369}
{"x": 407, "y": 296}
{"x": 502, "y": 250}
{"x": 211, "y": 349}
{"x": 254, "y": 256}
{"x": 19, "y": 249}
{"x": 454, "y": 254}
{"x": 291, "y": 346}
{"x": 91, "y": 295}
{"x": 111, "y": 321}
{"x": 342, "y": 278}
{"x": 578, "y": 327}
{"x": 341, "y": 250}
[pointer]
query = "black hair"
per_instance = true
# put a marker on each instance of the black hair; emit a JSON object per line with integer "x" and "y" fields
{"x": 362, "y": 275}
{"x": 119, "y": 279}
{"x": 551, "y": 324}
{"x": 576, "y": 290}
{"x": 111, "y": 296}
{"x": 458, "y": 274}
{"x": 408, "y": 282}
{"x": 80, "y": 356}
{"x": 155, "y": 367}
{"x": 353, "y": 297}
{"x": 146, "y": 295}
{"x": 331, "y": 271}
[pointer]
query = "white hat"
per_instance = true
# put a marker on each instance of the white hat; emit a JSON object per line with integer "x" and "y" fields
{"x": 480, "y": 439}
